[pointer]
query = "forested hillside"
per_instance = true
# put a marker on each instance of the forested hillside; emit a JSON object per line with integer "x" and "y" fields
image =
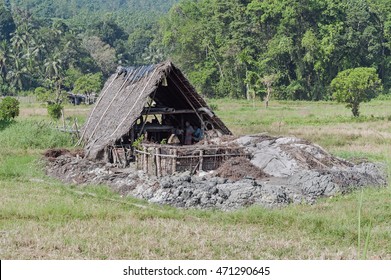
{"x": 291, "y": 49}
{"x": 127, "y": 13}
{"x": 49, "y": 47}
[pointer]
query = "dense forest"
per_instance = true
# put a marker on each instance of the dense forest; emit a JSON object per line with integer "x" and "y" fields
{"x": 291, "y": 49}
{"x": 50, "y": 47}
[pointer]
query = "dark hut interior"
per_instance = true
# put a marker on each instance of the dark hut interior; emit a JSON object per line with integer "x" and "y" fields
{"x": 142, "y": 114}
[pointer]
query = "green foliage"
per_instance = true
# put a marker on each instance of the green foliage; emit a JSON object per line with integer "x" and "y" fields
{"x": 46, "y": 47}
{"x": 71, "y": 75}
{"x": 353, "y": 86}
{"x": 227, "y": 47}
{"x": 7, "y": 25}
{"x": 88, "y": 83}
{"x": 55, "y": 110}
{"x": 137, "y": 143}
{"x": 43, "y": 94}
{"x": 9, "y": 108}
{"x": 214, "y": 107}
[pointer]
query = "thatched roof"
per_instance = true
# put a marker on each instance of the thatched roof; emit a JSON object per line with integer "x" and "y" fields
{"x": 124, "y": 97}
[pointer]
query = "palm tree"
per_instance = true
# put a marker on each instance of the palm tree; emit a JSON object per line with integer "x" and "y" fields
{"x": 54, "y": 74}
{"x": 18, "y": 76}
{"x": 4, "y": 58}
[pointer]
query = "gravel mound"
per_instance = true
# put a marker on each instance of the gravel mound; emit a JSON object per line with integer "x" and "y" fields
{"x": 280, "y": 171}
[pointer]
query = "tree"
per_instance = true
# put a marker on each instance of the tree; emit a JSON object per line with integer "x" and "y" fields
{"x": 356, "y": 85}
{"x": 102, "y": 53}
{"x": 4, "y": 58}
{"x": 7, "y": 25}
{"x": 268, "y": 82}
{"x": 88, "y": 83}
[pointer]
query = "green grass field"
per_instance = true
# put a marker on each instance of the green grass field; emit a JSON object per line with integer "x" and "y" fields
{"x": 41, "y": 218}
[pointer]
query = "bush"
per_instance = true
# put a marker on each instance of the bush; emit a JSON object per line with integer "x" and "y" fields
{"x": 214, "y": 107}
{"x": 9, "y": 108}
{"x": 54, "y": 111}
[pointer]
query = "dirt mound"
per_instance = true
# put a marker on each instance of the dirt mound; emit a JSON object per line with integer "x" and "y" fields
{"x": 285, "y": 156}
{"x": 52, "y": 154}
{"x": 279, "y": 171}
{"x": 240, "y": 168}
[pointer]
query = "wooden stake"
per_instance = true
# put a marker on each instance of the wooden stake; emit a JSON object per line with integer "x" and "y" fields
{"x": 174, "y": 161}
{"x": 158, "y": 163}
{"x": 145, "y": 160}
{"x": 201, "y": 160}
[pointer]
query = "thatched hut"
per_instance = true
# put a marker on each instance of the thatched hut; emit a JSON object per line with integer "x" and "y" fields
{"x": 151, "y": 101}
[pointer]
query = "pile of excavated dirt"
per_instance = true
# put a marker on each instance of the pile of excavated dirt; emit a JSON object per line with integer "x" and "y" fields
{"x": 240, "y": 168}
{"x": 279, "y": 171}
{"x": 52, "y": 154}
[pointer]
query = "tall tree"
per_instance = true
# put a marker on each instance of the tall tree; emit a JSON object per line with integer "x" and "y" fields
{"x": 7, "y": 24}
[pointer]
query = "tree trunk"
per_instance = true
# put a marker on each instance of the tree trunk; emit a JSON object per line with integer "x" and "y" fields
{"x": 355, "y": 110}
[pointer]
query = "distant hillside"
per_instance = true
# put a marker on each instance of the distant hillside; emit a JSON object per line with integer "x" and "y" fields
{"x": 72, "y": 8}
{"x": 129, "y": 14}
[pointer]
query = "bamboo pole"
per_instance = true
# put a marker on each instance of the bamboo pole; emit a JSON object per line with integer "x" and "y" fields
{"x": 158, "y": 163}
{"x": 145, "y": 161}
{"x": 174, "y": 159}
{"x": 201, "y": 160}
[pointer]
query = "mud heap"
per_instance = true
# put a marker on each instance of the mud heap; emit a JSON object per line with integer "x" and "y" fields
{"x": 279, "y": 171}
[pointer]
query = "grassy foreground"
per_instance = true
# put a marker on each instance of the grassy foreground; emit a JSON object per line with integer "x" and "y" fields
{"x": 41, "y": 218}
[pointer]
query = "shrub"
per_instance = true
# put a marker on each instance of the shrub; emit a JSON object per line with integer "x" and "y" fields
{"x": 9, "y": 108}
{"x": 54, "y": 110}
{"x": 214, "y": 107}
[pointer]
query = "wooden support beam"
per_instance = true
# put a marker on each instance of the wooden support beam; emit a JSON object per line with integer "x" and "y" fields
{"x": 158, "y": 163}
{"x": 201, "y": 160}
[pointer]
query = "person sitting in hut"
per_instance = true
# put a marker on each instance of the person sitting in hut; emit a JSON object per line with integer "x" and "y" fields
{"x": 198, "y": 134}
{"x": 188, "y": 133}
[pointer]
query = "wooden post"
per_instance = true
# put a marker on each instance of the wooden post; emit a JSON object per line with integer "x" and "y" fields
{"x": 158, "y": 163}
{"x": 145, "y": 160}
{"x": 151, "y": 161}
{"x": 76, "y": 128}
{"x": 201, "y": 160}
{"x": 174, "y": 159}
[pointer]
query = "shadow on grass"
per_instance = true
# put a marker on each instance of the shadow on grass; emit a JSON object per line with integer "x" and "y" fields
{"x": 5, "y": 123}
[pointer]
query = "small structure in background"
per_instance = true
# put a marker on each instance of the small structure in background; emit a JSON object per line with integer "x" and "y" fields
{"x": 141, "y": 115}
{"x": 77, "y": 99}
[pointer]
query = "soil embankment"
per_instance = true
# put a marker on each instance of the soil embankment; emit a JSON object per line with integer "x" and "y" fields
{"x": 279, "y": 171}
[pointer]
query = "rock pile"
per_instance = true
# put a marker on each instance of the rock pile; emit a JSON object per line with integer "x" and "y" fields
{"x": 280, "y": 171}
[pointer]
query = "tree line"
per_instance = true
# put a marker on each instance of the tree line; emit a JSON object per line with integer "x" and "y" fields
{"x": 50, "y": 47}
{"x": 292, "y": 49}
{"x": 289, "y": 49}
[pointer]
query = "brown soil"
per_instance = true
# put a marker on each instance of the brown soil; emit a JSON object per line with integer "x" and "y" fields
{"x": 240, "y": 168}
{"x": 52, "y": 154}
